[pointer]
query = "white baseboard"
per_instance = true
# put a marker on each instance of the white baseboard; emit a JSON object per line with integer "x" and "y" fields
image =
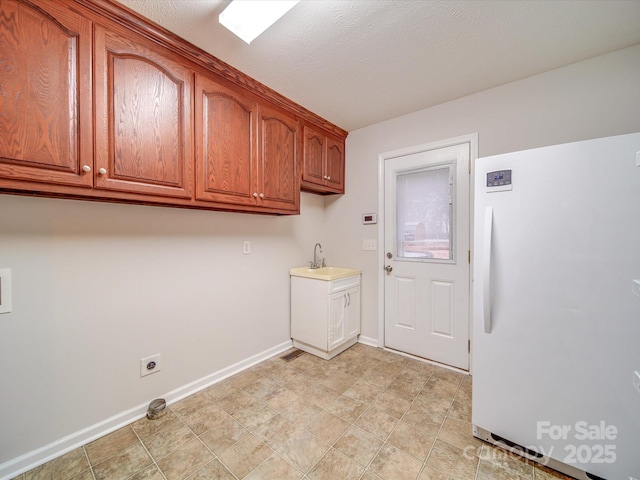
{"x": 372, "y": 342}
{"x": 39, "y": 456}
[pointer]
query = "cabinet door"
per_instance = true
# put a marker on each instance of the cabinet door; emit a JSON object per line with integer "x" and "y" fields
{"x": 352, "y": 316}
{"x": 313, "y": 156}
{"x": 278, "y": 147}
{"x": 144, "y": 139}
{"x": 335, "y": 165}
{"x": 337, "y": 312}
{"x": 225, "y": 148}
{"x": 46, "y": 107}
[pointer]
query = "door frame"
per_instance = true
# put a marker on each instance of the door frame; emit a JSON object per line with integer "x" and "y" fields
{"x": 472, "y": 140}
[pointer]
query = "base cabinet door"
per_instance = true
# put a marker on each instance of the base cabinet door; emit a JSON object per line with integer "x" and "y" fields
{"x": 352, "y": 314}
{"x": 144, "y": 139}
{"x": 337, "y": 319}
{"x": 46, "y": 104}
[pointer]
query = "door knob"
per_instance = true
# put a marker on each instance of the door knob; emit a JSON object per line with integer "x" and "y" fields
{"x": 388, "y": 268}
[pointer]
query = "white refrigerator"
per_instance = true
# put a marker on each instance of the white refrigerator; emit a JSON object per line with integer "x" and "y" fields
{"x": 556, "y": 305}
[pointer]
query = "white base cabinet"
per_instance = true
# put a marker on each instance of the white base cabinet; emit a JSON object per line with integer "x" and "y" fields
{"x": 325, "y": 314}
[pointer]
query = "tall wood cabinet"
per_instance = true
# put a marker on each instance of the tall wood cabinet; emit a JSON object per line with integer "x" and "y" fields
{"x": 98, "y": 103}
{"x": 46, "y": 105}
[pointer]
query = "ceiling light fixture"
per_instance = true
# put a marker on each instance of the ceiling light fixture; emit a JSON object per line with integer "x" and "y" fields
{"x": 249, "y": 18}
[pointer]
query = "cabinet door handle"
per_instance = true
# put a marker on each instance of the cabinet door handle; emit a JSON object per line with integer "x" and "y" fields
{"x": 86, "y": 168}
{"x": 102, "y": 171}
{"x": 261, "y": 195}
{"x": 349, "y": 297}
{"x": 255, "y": 194}
{"x": 345, "y": 300}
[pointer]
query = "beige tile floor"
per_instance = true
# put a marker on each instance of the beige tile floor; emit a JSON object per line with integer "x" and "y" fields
{"x": 367, "y": 414}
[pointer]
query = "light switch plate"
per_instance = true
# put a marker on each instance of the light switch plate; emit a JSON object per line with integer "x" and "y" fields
{"x": 5, "y": 290}
{"x": 369, "y": 244}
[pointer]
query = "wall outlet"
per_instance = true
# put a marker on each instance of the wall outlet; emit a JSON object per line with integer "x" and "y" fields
{"x": 636, "y": 380}
{"x": 149, "y": 365}
{"x": 5, "y": 290}
{"x": 370, "y": 244}
{"x": 246, "y": 247}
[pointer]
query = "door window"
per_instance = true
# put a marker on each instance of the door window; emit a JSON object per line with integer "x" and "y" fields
{"x": 424, "y": 210}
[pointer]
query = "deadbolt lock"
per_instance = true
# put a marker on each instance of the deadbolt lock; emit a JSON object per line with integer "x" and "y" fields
{"x": 389, "y": 255}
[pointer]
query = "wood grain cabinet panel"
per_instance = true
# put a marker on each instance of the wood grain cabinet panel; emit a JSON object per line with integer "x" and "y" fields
{"x": 144, "y": 118}
{"x": 246, "y": 152}
{"x": 45, "y": 94}
{"x": 335, "y": 164}
{"x": 323, "y": 162}
{"x": 314, "y": 154}
{"x": 226, "y": 146}
{"x": 98, "y": 103}
{"x": 278, "y": 153}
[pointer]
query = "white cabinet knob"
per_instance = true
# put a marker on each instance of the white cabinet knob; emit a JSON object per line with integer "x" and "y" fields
{"x": 328, "y": 177}
{"x": 255, "y": 194}
{"x": 86, "y": 168}
{"x": 102, "y": 171}
{"x": 261, "y": 195}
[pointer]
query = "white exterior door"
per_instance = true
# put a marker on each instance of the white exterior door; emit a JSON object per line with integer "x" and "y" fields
{"x": 426, "y": 248}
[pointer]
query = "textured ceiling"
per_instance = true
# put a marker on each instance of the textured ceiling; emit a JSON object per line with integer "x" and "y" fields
{"x": 359, "y": 62}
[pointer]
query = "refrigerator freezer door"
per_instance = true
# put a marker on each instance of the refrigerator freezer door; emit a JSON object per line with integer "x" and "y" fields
{"x": 555, "y": 372}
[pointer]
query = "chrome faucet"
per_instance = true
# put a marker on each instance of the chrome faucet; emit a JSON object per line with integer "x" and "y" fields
{"x": 316, "y": 264}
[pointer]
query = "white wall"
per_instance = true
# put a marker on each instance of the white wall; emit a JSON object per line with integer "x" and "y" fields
{"x": 98, "y": 286}
{"x": 590, "y": 99}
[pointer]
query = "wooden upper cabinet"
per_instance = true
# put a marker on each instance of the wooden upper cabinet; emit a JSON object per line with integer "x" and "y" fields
{"x": 323, "y": 162}
{"x": 98, "y": 103}
{"x": 226, "y": 144}
{"x": 246, "y": 152}
{"x": 314, "y": 156}
{"x": 278, "y": 155}
{"x": 335, "y": 164}
{"x": 46, "y": 107}
{"x": 144, "y": 118}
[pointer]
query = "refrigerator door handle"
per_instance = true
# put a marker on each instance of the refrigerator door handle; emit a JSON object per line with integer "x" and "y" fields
{"x": 486, "y": 269}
